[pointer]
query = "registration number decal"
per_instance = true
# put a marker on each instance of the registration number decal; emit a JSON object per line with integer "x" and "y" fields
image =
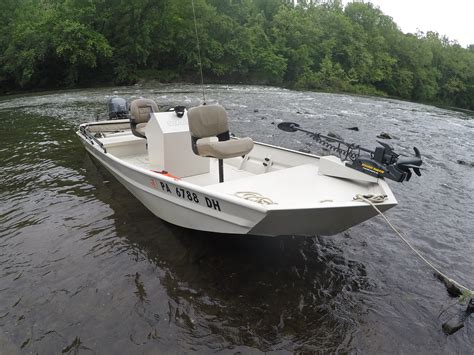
{"x": 184, "y": 194}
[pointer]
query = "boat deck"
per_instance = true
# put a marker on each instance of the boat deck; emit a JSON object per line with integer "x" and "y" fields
{"x": 289, "y": 186}
{"x": 297, "y": 187}
{"x": 300, "y": 186}
{"x": 231, "y": 173}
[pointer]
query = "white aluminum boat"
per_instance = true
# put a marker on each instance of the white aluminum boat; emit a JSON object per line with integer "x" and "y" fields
{"x": 167, "y": 161}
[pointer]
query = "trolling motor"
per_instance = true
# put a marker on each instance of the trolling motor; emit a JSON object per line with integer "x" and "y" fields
{"x": 381, "y": 163}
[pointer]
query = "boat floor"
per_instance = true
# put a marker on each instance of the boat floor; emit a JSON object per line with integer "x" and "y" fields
{"x": 231, "y": 173}
{"x": 295, "y": 187}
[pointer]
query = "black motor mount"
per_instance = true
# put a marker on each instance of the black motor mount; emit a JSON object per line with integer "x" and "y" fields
{"x": 381, "y": 163}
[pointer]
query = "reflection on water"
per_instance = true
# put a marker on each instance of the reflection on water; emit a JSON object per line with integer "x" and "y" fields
{"x": 84, "y": 267}
{"x": 226, "y": 291}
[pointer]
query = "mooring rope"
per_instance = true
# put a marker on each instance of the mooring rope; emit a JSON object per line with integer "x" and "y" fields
{"x": 255, "y": 197}
{"x": 371, "y": 200}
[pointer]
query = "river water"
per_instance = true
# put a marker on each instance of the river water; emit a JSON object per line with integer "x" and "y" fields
{"x": 85, "y": 268}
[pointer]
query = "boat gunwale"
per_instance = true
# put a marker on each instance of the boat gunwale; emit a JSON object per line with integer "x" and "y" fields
{"x": 97, "y": 123}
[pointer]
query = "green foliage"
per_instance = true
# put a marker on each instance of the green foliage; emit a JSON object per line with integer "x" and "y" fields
{"x": 316, "y": 45}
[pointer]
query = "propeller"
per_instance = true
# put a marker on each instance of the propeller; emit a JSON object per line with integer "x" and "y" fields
{"x": 407, "y": 163}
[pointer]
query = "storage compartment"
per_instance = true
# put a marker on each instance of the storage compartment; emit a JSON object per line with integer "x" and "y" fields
{"x": 169, "y": 146}
{"x": 124, "y": 144}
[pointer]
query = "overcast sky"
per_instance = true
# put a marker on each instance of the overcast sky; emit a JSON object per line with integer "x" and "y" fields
{"x": 453, "y": 18}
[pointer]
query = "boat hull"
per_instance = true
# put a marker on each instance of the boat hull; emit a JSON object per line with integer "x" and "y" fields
{"x": 211, "y": 213}
{"x": 194, "y": 207}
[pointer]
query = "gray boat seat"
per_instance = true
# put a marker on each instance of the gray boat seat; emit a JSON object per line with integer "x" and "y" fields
{"x": 140, "y": 111}
{"x": 207, "y": 121}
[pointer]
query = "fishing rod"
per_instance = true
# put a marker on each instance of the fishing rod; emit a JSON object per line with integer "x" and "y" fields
{"x": 199, "y": 54}
{"x": 382, "y": 162}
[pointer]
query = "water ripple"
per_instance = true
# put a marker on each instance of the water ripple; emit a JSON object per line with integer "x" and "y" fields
{"x": 85, "y": 267}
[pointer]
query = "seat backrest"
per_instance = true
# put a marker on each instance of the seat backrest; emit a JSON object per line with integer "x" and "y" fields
{"x": 211, "y": 121}
{"x": 208, "y": 121}
{"x": 141, "y": 109}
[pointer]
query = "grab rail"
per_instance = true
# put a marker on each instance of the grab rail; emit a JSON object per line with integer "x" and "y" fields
{"x": 90, "y": 136}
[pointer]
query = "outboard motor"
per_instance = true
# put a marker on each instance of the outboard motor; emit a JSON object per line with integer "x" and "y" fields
{"x": 118, "y": 108}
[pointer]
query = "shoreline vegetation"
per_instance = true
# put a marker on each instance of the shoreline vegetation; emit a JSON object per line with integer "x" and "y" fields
{"x": 314, "y": 46}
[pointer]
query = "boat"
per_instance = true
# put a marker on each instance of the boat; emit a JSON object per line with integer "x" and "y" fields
{"x": 185, "y": 167}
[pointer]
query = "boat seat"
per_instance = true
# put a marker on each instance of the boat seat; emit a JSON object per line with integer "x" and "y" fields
{"x": 140, "y": 112}
{"x": 208, "y": 121}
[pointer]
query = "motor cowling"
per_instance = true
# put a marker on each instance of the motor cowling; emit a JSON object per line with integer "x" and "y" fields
{"x": 118, "y": 108}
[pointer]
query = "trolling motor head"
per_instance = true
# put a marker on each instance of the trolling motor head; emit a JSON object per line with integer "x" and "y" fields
{"x": 384, "y": 162}
{"x": 381, "y": 163}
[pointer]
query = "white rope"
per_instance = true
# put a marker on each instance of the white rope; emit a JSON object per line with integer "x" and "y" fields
{"x": 371, "y": 200}
{"x": 255, "y": 197}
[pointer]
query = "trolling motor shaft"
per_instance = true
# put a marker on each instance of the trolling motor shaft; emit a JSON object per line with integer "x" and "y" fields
{"x": 382, "y": 162}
